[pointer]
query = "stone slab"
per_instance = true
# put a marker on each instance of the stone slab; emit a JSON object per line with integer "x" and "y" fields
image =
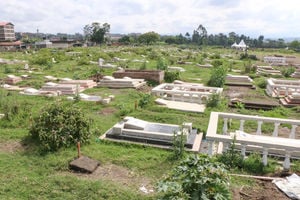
{"x": 84, "y": 164}
{"x": 183, "y": 106}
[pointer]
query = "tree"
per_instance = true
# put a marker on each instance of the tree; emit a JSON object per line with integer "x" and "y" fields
{"x": 125, "y": 39}
{"x": 149, "y": 38}
{"x": 96, "y": 32}
{"x": 59, "y": 126}
{"x": 196, "y": 177}
{"x": 200, "y": 35}
{"x": 217, "y": 78}
{"x": 295, "y": 44}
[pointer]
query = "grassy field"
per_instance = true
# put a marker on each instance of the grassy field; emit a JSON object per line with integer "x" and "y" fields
{"x": 28, "y": 173}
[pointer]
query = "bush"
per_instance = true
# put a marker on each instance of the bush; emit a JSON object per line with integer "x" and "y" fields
{"x": 60, "y": 126}
{"x": 179, "y": 140}
{"x": 161, "y": 65}
{"x": 171, "y": 76}
{"x": 144, "y": 100}
{"x": 196, "y": 177}
{"x": 254, "y": 164}
{"x": 232, "y": 158}
{"x": 217, "y": 78}
{"x": 287, "y": 72}
{"x": 261, "y": 83}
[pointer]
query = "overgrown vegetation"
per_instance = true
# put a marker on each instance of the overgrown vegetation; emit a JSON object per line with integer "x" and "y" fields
{"x": 60, "y": 126}
{"x": 196, "y": 177}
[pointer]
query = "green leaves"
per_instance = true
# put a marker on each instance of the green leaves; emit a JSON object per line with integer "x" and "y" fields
{"x": 60, "y": 126}
{"x": 196, "y": 177}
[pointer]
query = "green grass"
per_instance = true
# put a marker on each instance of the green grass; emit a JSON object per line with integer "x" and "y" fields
{"x": 28, "y": 173}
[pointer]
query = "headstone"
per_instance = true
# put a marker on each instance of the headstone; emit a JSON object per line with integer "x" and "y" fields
{"x": 26, "y": 67}
{"x": 100, "y": 62}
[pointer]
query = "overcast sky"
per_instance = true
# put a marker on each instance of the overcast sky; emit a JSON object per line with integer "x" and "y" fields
{"x": 271, "y": 18}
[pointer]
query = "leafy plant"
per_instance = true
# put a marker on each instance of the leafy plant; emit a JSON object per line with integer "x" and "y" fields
{"x": 179, "y": 140}
{"x": 161, "y": 64}
{"x": 217, "y": 78}
{"x": 60, "y": 126}
{"x": 253, "y": 163}
{"x": 213, "y": 100}
{"x": 232, "y": 158}
{"x": 196, "y": 177}
{"x": 171, "y": 76}
{"x": 144, "y": 100}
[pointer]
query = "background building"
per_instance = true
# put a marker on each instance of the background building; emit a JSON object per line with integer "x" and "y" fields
{"x": 7, "y": 32}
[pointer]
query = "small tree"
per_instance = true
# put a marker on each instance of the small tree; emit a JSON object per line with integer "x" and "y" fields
{"x": 217, "y": 78}
{"x": 149, "y": 38}
{"x": 179, "y": 140}
{"x": 60, "y": 126}
{"x": 196, "y": 177}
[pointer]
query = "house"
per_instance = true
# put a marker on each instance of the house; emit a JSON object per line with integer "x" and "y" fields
{"x": 7, "y": 32}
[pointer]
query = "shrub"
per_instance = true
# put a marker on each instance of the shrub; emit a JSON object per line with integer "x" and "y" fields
{"x": 213, "y": 100}
{"x": 196, "y": 177}
{"x": 287, "y": 72}
{"x": 144, "y": 100}
{"x": 217, "y": 78}
{"x": 161, "y": 65}
{"x": 60, "y": 126}
{"x": 179, "y": 140}
{"x": 253, "y": 164}
{"x": 261, "y": 83}
{"x": 232, "y": 158}
{"x": 171, "y": 76}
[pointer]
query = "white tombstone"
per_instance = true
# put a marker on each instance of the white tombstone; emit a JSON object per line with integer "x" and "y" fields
{"x": 100, "y": 62}
{"x": 26, "y": 67}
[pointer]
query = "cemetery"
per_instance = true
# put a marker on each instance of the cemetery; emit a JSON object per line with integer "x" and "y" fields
{"x": 185, "y": 92}
{"x": 138, "y": 110}
{"x": 286, "y": 146}
{"x": 134, "y": 129}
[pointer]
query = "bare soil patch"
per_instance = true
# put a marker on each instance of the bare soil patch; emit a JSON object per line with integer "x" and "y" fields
{"x": 262, "y": 190}
{"x": 11, "y": 146}
{"x": 117, "y": 174}
{"x": 107, "y": 111}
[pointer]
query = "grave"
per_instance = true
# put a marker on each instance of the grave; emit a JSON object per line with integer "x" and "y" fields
{"x": 280, "y": 145}
{"x": 185, "y": 92}
{"x": 35, "y": 92}
{"x": 102, "y": 64}
{"x": 296, "y": 74}
{"x": 253, "y": 104}
{"x": 126, "y": 82}
{"x": 275, "y": 60}
{"x": 290, "y": 100}
{"x": 239, "y": 80}
{"x": 12, "y": 79}
{"x": 84, "y": 164}
{"x": 282, "y": 88}
{"x": 137, "y": 130}
{"x": 207, "y": 65}
{"x": 267, "y": 70}
{"x": 63, "y": 89}
{"x": 85, "y": 84}
{"x": 174, "y": 68}
{"x": 152, "y": 75}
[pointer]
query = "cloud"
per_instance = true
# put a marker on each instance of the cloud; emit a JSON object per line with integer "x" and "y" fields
{"x": 274, "y": 18}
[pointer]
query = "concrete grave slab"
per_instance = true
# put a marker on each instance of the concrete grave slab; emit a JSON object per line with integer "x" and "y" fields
{"x": 84, "y": 164}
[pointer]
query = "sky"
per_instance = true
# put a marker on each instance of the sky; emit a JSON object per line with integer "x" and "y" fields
{"x": 271, "y": 18}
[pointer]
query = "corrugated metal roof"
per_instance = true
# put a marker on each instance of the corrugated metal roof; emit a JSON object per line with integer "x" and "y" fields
{"x": 5, "y": 23}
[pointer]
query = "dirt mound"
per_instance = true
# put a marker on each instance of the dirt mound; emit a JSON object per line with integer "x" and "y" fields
{"x": 262, "y": 190}
{"x": 11, "y": 146}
